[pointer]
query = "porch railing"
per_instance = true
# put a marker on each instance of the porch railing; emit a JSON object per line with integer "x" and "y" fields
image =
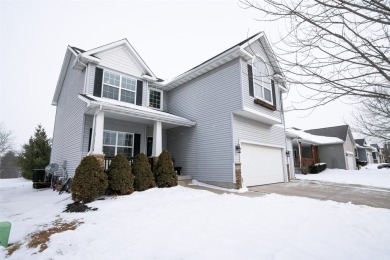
{"x": 306, "y": 162}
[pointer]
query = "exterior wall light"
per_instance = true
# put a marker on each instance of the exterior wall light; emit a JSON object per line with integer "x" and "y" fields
{"x": 238, "y": 148}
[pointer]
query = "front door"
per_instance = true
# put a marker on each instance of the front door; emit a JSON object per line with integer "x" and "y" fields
{"x": 149, "y": 147}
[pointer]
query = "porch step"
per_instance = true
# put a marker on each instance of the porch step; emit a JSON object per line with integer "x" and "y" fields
{"x": 184, "y": 180}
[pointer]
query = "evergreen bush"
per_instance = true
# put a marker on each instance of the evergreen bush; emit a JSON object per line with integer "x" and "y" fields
{"x": 89, "y": 182}
{"x": 165, "y": 174}
{"x": 317, "y": 168}
{"x": 143, "y": 175}
{"x": 120, "y": 178}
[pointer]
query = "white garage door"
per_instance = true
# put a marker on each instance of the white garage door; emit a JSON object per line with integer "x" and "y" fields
{"x": 351, "y": 165}
{"x": 261, "y": 165}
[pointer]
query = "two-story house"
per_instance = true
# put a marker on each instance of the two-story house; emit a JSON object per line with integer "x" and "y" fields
{"x": 222, "y": 120}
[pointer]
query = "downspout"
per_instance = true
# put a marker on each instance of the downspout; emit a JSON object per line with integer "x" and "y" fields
{"x": 285, "y": 138}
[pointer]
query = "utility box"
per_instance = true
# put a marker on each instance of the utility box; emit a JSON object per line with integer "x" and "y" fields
{"x": 5, "y": 229}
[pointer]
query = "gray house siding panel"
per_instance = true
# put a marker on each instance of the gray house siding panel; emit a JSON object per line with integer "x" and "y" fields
{"x": 333, "y": 156}
{"x": 362, "y": 154}
{"x": 69, "y": 123}
{"x": 88, "y": 123}
{"x": 206, "y": 150}
{"x": 91, "y": 78}
{"x": 257, "y": 132}
{"x": 249, "y": 100}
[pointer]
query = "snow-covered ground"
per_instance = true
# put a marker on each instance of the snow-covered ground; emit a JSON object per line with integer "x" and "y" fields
{"x": 369, "y": 175}
{"x": 184, "y": 223}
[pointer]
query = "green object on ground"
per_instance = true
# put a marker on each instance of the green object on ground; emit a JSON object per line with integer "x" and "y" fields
{"x": 5, "y": 228}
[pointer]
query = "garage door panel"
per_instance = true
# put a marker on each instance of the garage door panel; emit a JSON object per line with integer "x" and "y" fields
{"x": 261, "y": 165}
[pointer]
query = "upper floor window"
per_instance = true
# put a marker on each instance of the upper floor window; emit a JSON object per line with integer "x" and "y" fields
{"x": 261, "y": 80}
{"x": 155, "y": 98}
{"x": 117, "y": 143}
{"x": 119, "y": 87}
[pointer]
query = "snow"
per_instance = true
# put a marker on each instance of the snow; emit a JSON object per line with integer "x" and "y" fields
{"x": 318, "y": 139}
{"x": 184, "y": 223}
{"x": 368, "y": 175}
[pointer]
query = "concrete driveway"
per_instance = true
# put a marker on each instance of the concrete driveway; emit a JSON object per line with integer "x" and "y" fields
{"x": 356, "y": 194}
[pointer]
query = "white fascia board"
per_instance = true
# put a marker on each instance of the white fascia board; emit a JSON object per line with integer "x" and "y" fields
{"x": 138, "y": 111}
{"x": 206, "y": 67}
{"x": 68, "y": 55}
{"x": 258, "y": 116}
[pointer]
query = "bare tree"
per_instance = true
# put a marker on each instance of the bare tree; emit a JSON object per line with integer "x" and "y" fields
{"x": 332, "y": 48}
{"x": 373, "y": 118}
{"x": 6, "y": 140}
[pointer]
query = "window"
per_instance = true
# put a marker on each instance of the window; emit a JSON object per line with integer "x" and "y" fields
{"x": 117, "y": 143}
{"x": 118, "y": 87}
{"x": 261, "y": 80}
{"x": 155, "y": 98}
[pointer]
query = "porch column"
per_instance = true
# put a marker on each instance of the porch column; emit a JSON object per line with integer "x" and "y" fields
{"x": 157, "y": 139}
{"x": 312, "y": 153}
{"x": 98, "y": 137}
{"x": 300, "y": 155}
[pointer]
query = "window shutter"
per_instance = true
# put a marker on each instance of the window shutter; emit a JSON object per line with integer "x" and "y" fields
{"x": 137, "y": 144}
{"x": 90, "y": 139}
{"x": 250, "y": 79}
{"x": 139, "y": 92}
{"x": 97, "y": 87}
{"x": 273, "y": 92}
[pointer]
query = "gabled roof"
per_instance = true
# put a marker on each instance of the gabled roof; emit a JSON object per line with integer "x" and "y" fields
{"x": 360, "y": 141}
{"x": 237, "y": 50}
{"x": 340, "y": 132}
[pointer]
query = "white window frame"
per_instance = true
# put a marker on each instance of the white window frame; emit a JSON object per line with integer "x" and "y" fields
{"x": 161, "y": 99}
{"x": 116, "y": 141}
{"x": 120, "y": 86}
{"x": 262, "y": 83}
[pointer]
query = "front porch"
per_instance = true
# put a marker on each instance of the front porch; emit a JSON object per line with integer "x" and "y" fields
{"x": 305, "y": 154}
{"x": 111, "y": 129}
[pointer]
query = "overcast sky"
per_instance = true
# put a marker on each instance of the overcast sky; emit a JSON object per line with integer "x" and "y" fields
{"x": 171, "y": 37}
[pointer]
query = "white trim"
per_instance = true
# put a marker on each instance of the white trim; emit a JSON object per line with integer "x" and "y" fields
{"x": 120, "y": 88}
{"x": 268, "y": 118}
{"x": 116, "y": 141}
{"x": 262, "y": 82}
{"x": 161, "y": 98}
{"x": 349, "y": 153}
{"x": 261, "y": 144}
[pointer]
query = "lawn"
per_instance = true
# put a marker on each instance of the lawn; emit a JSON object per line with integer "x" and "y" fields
{"x": 184, "y": 223}
{"x": 369, "y": 175}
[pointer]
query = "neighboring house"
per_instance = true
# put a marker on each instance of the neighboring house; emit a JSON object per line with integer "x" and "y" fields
{"x": 365, "y": 151}
{"x": 377, "y": 155}
{"x": 305, "y": 149}
{"x": 221, "y": 121}
{"x": 339, "y": 155}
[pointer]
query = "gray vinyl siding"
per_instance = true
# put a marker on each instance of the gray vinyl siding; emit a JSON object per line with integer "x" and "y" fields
{"x": 69, "y": 121}
{"x": 149, "y": 133}
{"x": 349, "y": 147}
{"x": 206, "y": 150}
{"x": 120, "y": 59}
{"x": 257, "y": 132}
{"x": 88, "y": 123}
{"x": 333, "y": 156}
{"x": 362, "y": 154}
{"x": 256, "y": 49}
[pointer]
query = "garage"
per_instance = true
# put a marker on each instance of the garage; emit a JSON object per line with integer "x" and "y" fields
{"x": 261, "y": 164}
{"x": 350, "y": 160}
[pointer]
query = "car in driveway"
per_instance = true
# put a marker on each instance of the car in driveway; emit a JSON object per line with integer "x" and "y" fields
{"x": 384, "y": 165}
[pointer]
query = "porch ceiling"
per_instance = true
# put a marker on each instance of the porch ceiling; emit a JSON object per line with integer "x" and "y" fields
{"x": 129, "y": 112}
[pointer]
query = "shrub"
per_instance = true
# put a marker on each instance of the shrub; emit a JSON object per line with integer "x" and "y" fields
{"x": 120, "y": 178}
{"x": 143, "y": 175}
{"x": 317, "y": 168}
{"x": 165, "y": 174}
{"x": 89, "y": 182}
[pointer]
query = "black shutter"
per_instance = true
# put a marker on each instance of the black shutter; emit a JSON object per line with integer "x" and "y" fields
{"x": 250, "y": 79}
{"x": 137, "y": 144}
{"x": 273, "y": 92}
{"x": 97, "y": 87}
{"x": 90, "y": 139}
{"x": 139, "y": 92}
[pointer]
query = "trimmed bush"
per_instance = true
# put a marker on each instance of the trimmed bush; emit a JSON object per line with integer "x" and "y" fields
{"x": 120, "y": 178}
{"x": 165, "y": 174}
{"x": 143, "y": 175}
{"x": 317, "y": 168}
{"x": 89, "y": 182}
